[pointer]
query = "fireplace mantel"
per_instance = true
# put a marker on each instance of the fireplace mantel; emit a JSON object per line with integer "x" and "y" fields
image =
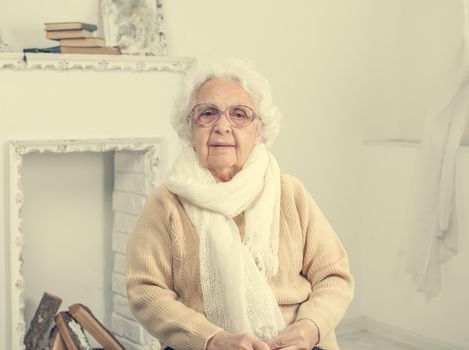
{"x": 133, "y": 63}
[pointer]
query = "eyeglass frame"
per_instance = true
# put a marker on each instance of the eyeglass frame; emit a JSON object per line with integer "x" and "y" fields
{"x": 222, "y": 112}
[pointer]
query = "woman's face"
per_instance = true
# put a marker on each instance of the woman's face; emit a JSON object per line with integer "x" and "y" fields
{"x": 223, "y": 148}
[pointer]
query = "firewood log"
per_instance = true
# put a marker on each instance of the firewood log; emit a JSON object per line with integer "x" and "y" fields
{"x": 42, "y": 320}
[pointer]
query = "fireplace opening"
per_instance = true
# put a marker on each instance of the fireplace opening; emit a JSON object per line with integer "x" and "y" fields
{"x": 74, "y": 205}
{"x": 67, "y": 223}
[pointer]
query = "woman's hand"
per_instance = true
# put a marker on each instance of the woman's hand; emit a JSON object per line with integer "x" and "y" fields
{"x": 302, "y": 334}
{"x": 235, "y": 341}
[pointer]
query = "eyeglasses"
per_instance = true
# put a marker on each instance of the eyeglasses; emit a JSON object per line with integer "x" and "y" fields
{"x": 206, "y": 114}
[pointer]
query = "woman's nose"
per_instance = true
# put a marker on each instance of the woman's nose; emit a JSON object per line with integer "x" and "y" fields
{"x": 222, "y": 125}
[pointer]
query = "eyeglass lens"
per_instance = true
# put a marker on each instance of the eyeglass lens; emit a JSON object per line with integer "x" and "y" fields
{"x": 207, "y": 115}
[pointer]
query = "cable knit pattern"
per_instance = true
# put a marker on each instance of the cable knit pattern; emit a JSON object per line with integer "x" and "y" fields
{"x": 313, "y": 281}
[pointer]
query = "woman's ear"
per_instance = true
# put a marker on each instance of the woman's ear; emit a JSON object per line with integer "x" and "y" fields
{"x": 190, "y": 136}
{"x": 259, "y": 133}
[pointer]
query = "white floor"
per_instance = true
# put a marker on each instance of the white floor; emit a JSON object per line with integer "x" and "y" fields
{"x": 364, "y": 340}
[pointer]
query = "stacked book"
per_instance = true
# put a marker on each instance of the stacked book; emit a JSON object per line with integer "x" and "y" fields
{"x": 68, "y": 327}
{"x": 78, "y": 37}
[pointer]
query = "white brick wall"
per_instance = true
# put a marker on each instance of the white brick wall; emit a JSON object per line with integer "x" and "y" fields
{"x": 118, "y": 284}
{"x": 132, "y": 184}
{"x": 127, "y": 328}
{"x": 119, "y": 242}
{"x": 124, "y": 223}
{"x": 119, "y": 263}
{"x": 128, "y": 345}
{"x": 120, "y": 305}
{"x": 128, "y": 203}
{"x": 129, "y": 161}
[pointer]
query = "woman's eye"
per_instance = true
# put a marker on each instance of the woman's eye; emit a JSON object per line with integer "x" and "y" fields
{"x": 209, "y": 113}
{"x": 239, "y": 114}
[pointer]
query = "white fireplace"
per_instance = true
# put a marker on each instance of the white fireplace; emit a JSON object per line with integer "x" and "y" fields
{"x": 61, "y": 246}
{"x": 120, "y": 137}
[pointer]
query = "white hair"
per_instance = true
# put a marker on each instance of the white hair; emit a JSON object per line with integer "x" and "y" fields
{"x": 250, "y": 80}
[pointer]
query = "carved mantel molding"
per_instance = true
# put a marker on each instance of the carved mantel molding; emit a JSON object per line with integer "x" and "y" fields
{"x": 64, "y": 62}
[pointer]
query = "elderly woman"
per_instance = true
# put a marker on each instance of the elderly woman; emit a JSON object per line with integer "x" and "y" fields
{"x": 229, "y": 253}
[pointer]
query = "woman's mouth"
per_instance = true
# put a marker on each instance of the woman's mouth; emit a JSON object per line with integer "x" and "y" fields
{"x": 221, "y": 145}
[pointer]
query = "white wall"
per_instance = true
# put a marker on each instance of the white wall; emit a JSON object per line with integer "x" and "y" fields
{"x": 22, "y": 21}
{"x": 430, "y": 37}
{"x": 430, "y": 34}
{"x": 336, "y": 68}
{"x": 387, "y": 186}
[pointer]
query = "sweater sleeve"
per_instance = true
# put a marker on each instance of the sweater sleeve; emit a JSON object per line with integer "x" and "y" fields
{"x": 152, "y": 298}
{"x": 325, "y": 265}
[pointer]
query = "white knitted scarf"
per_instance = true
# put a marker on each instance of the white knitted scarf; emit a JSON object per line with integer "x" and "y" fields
{"x": 233, "y": 273}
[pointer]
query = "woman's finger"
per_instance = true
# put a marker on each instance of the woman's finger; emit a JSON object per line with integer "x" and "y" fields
{"x": 281, "y": 341}
{"x": 259, "y": 345}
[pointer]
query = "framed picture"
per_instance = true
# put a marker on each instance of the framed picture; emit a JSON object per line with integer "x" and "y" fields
{"x": 136, "y": 26}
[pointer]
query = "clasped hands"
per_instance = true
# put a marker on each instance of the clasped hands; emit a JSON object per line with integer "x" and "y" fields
{"x": 302, "y": 334}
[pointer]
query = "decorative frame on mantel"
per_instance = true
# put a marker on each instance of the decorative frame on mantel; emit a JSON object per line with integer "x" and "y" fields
{"x": 137, "y": 27}
{"x": 151, "y": 151}
{"x": 51, "y": 61}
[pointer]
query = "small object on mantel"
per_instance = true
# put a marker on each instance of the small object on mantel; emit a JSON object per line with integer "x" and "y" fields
{"x": 43, "y": 317}
{"x": 53, "y": 49}
{"x": 86, "y": 318}
{"x": 71, "y": 332}
{"x": 69, "y": 26}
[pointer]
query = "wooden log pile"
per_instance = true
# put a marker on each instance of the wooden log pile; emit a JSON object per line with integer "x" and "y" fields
{"x": 68, "y": 327}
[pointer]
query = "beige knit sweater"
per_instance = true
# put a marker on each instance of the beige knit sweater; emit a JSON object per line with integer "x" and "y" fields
{"x": 163, "y": 282}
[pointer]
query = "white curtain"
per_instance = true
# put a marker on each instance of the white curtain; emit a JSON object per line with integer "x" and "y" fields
{"x": 434, "y": 239}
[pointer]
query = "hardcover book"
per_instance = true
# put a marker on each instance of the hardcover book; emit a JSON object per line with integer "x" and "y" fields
{"x": 69, "y": 34}
{"x": 70, "y": 25}
{"x": 91, "y": 324}
{"x": 71, "y": 332}
{"x": 86, "y": 42}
